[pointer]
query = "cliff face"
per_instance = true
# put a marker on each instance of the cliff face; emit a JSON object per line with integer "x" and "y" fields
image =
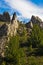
{"x": 7, "y": 30}
{"x": 37, "y": 20}
{"x": 12, "y": 27}
{"x": 5, "y": 17}
{"x": 34, "y": 20}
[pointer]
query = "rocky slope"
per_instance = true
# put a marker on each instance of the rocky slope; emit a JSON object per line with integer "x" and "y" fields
{"x": 34, "y": 20}
{"x": 7, "y": 30}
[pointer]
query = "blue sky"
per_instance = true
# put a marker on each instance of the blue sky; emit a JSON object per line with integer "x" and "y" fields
{"x": 38, "y": 2}
{"x": 24, "y": 8}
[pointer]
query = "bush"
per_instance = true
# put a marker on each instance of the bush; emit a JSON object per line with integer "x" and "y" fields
{"x": 36, "y": 37}
{"x": 14, "y": 54}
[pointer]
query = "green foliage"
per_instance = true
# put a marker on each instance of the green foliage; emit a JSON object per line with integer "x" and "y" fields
{"x": 23, "y": 38}
{"x": 22, "y": 32}
{"x": 14, "y": 54}
{"x": 30, "y": 48}
{"x": 36, "y": 37}
{"x": 32, "y": 60}
{"x": 12, "y": 50}
{"x": 3, "y": 63}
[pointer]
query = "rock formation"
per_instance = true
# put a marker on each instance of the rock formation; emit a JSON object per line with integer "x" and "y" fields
{"x": 7, "y": 30}
{"x": 29, "y": 24}
{"x": 34, "y": 20}
{"x": 5, "y": 17}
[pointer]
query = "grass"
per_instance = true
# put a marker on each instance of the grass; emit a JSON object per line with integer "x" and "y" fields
{"x": 1, "y": 23}
{"x": 35, "y": 60}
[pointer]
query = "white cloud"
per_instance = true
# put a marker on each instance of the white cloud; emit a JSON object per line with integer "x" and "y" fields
{"x": 27, "y": 9}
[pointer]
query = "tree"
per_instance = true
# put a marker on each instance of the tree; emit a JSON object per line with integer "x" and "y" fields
{"x": 36, "y": 37}
{"x": 14, "y": 54}
{"x": 12, "y": 50}
{"x": 22, "y": 31}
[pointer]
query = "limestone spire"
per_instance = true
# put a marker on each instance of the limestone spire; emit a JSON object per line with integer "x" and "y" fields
{"x": 14, "y": 17}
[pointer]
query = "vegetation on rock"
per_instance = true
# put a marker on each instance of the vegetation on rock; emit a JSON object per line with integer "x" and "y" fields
{"x": 26, "y": 47}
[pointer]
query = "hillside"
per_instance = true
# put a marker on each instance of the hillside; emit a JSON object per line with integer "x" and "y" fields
{"x": 20, "y": 43}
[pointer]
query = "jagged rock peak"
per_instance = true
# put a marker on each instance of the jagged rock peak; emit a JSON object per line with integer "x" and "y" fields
{"x": 14, "y": 16}
{"x": 5, "y": 17}
{"x": 35, "y": 19}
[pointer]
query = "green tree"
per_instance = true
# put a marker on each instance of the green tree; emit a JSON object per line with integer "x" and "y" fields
{"x": 36, "y": 37}
{"x": 12, "y": 50}
{"x": 24, "y": 35}
{"x": 14, "y": 54}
